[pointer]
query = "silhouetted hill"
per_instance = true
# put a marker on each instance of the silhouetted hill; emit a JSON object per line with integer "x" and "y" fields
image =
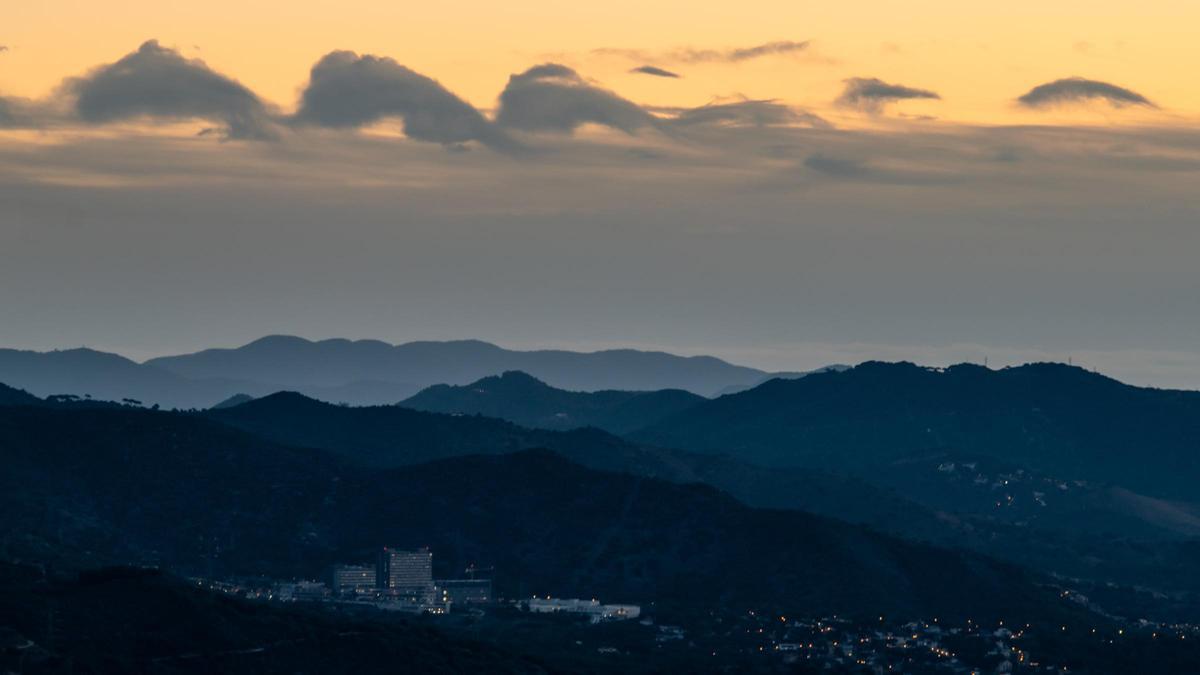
{"x": 1051, "y": 523}
{"x": 296, "y": 363}
{"x": 12, "y": 396}
{"x": 139, "y": 621}
{"x": 392, "y": 436}
{"x": 1050, "y": 418}
{"x": 377, "y": 436}
{"x": 138, "y": 486}
{"x": 738, "y": 388}
{"x": 235, "y": 400}
{"x": 525, "y": 400}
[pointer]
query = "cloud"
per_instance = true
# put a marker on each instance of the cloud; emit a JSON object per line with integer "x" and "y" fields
{"x": 889, "y": 173}
{"x": 552, "y": 97}
{"x": 732, "y": 218}
{"x": 657, "y": 72}
{"x": 23, "y": 113}
{"x": 780, "y": 47}
{"x": 1078, "y": 89}
{"x": 696, "y": 55}
{"x": 3, "y": 48}
{"x": 757, "y": 113}
{"x": 158, "y": 82}
{"x": 347, "y": 91}
{"x": 837, "y": 167}
{"x": 871, "y": 94}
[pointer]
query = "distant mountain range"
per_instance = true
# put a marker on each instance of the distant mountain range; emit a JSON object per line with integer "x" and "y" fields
{"x": 296, "y": 362}
{"x": 93, "y": 485}
{"x": 359, "y": 372}
{"x": 525, "y": 400}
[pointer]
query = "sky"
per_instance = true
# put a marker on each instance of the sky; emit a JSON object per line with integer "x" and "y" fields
{"x": 784, "y": 184}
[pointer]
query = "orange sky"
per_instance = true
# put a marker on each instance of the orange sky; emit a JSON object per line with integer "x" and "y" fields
{"x": 977, "y": 56}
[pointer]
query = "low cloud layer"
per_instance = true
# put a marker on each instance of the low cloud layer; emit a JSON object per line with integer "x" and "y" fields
{"x": 348, "y": 91}
{"x": 158, "y": 82}
{"x": 655, "y": 71}
{"x": 1078, "y": 89}
{"x": 732, "y": 227}
{"x": 872, "y": 94}
{"x": 553, "y": 97}
{"x": 749, "y": 113}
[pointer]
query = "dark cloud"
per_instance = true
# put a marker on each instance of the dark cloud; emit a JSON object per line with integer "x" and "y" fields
{"x": 1077, "y": 89}
{"x": 858, "y": 170}
{"x": 652, "y": 70}
{"x": 23, "y": 113}
{"x": 837, "y": 167}
{"x": 347, "y": 91}
{"x": 158, "y": 82}
{"x": 757, "y": 113}
{"x": 869, "y": 93}
{"x": 552, "y": 97}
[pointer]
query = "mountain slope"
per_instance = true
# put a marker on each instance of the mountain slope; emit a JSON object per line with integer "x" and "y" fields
{"x": 739, "y": 388}
{"x": 1047, "y": 522}
{"x": 235, "y": 400}
{"x": 13, "y": 396}
{"x": 296, "y": 363}
{"x": 525, "y": 400}
{"x": 1047, "y": 417}
{"x": 391, "y": 436}
{"x": 138, "y": 486}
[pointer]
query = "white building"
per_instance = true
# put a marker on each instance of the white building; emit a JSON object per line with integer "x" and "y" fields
{"x": 592, "y": 608}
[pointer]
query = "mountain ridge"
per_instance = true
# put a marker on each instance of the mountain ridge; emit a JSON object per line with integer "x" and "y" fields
{"x": 455, "y": 362}
{"x": 359, "y": 372}
{"x": 546, "y": 522}
{"x": 1049, "y": 417}
{"x": 523, "y": 399}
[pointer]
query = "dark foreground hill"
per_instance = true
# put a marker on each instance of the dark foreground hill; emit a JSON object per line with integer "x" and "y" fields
{"x": 125, "y": 620}
{"x": 91, "y": 486}
{"x": 1050, "y": 418}
{"x": 525, "y": 400}
{"x": 12, "y": 396}
{"x": 393, "y": 436}
{"x": 1051, "y": 523}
